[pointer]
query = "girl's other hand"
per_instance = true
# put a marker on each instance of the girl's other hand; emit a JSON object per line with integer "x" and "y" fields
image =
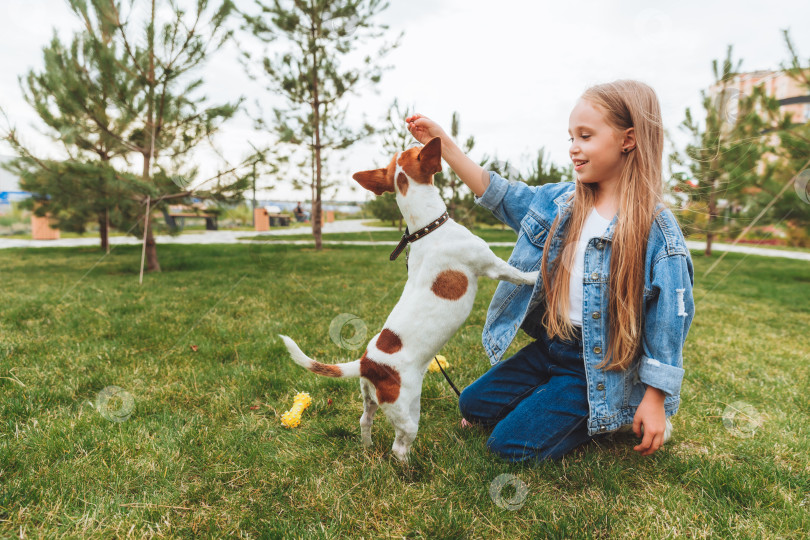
{"x": 650, "y": 414}
{"x": 424, "y": 129}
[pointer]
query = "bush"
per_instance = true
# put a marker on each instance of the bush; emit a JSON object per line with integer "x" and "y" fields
{"x": 240, "y": 216}
{"x": 797, "y": 236}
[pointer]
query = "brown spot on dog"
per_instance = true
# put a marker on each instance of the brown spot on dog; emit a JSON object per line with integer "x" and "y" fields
{"x": 325, "y": 369}
{"x": 450, "y": 285}
{"x": 420, "y": 164}
{"x": 402, "y": 183}
{"x": 389, "y": 342}
{"x": 384, "y": 378}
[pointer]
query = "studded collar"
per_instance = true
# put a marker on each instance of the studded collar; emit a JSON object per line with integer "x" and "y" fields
{"x": 407, "y": 238}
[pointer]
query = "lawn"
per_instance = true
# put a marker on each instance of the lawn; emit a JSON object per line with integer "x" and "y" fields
{"x": 490, "y": 234}
{"x": 193, "y": 443}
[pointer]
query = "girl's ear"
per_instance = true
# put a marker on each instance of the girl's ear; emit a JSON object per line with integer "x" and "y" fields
{"x": 629, "y": 141}
{"x": 430, "y": 157}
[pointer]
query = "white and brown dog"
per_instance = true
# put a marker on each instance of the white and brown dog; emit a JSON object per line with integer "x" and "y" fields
{"x": 443, "y": 270}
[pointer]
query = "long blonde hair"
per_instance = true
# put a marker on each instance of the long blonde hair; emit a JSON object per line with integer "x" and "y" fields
{"x": 625, "y": 104}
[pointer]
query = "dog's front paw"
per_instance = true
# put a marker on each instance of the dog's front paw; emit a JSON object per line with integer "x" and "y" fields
{"x": 530, "y": 278}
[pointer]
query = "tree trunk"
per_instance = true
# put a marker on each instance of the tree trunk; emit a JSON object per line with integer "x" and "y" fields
{"x": 316, "y": 204}
{"x": 103, "y": 232}
{"x": 712, "y": 207}
{"x": 152, "y": 264}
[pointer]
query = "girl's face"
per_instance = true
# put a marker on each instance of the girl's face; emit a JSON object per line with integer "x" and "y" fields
{"x": 595, "y": 144}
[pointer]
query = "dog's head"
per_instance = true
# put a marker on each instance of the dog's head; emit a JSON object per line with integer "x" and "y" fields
{"x": 415, "y": 165}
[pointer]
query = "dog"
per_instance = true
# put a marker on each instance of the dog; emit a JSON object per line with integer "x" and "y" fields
{"x": 444, "y": 264}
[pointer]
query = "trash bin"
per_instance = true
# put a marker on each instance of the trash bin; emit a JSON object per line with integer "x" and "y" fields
{"x": 261, "y": 219}
{"x": 327, "y": 216}
{"x": 41, "y": 228}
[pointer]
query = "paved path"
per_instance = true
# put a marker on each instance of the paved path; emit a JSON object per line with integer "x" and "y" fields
{"x": 207, "y": 237}
{"x": 342, "y": 226}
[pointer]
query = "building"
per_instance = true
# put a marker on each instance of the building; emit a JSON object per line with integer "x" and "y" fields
{"x": 794, "y": 99}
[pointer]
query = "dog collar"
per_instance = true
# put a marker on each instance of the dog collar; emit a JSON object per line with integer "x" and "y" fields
{"x": 408, "y": 238}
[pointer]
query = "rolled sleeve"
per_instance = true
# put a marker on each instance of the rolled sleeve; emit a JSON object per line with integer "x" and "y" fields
{"x": 668, "y": 316}
{"x": 508, "y": 200}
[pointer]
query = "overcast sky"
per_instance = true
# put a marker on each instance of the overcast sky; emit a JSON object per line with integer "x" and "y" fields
{"x": 512, "y": 69}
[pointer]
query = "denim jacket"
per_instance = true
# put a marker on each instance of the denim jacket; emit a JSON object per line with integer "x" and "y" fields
{"x": 613, "y": 397}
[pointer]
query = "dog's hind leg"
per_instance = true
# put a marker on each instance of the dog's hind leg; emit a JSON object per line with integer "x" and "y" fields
{"x": 497, "y": 268}
{"x": 369, "y": 408}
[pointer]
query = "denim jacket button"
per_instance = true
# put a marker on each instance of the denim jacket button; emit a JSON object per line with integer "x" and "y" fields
{"x": 600, "y": 245}
{"x": 595, "y": 276}
{"x": 596, "y": 315}
{"x": 600, "y": 386}
{"x": 597, "y": 350}
{"x": 602, "y": 428}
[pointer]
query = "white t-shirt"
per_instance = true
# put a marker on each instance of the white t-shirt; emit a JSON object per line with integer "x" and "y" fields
{"x": 595, "y": 226}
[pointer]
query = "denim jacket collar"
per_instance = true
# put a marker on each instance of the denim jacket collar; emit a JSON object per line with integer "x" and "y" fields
{"x": 564, "y": 203}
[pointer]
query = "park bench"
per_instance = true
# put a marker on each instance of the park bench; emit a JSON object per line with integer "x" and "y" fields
{"x": 176, "y": 220}
{"x": 279, "y": 220}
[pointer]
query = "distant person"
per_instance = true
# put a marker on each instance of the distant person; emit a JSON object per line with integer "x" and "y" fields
{"x": 300, "y": 215}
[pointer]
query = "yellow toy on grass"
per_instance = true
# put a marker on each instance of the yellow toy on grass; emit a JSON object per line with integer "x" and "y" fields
{"x": 292, "y": 417}
{"x": 434, "y": 365}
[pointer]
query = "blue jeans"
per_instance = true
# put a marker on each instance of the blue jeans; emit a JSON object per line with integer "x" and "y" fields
{"x": 536, "y": 400}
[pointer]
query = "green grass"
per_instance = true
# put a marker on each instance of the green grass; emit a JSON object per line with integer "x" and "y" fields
{"x": 204, "y": 453}
{"x": 488, "y": 234}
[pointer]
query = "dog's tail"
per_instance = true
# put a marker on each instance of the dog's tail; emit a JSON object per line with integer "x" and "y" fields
{"x": 348, "y": 369}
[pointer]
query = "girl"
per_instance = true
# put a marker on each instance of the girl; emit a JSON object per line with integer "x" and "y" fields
{"x": 613, "y": 306}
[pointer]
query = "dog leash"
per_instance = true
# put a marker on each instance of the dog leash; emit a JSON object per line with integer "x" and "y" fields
{"x": 407, "y": 238}
{"x": 448, "y": 378}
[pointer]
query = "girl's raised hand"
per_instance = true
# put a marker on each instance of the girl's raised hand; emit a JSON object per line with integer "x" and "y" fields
{"x": 424, "y": 129}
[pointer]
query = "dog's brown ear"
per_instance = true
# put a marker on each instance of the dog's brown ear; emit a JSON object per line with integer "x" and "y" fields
{"x": 376, "y": 181}
{"x": 430, "y": 157}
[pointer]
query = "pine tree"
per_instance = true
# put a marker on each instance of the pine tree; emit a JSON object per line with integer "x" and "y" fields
{"x": 129, "y": 96}
{"x": 317, "y": 38}
{"x": 544, "y": 171}
{"x": 74, "y": 95}
{"x": 794, "y": 165}
{"x": 725, "y": 152}
{"x": 71, "y": 191}
{"x": 170, "y": 122}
